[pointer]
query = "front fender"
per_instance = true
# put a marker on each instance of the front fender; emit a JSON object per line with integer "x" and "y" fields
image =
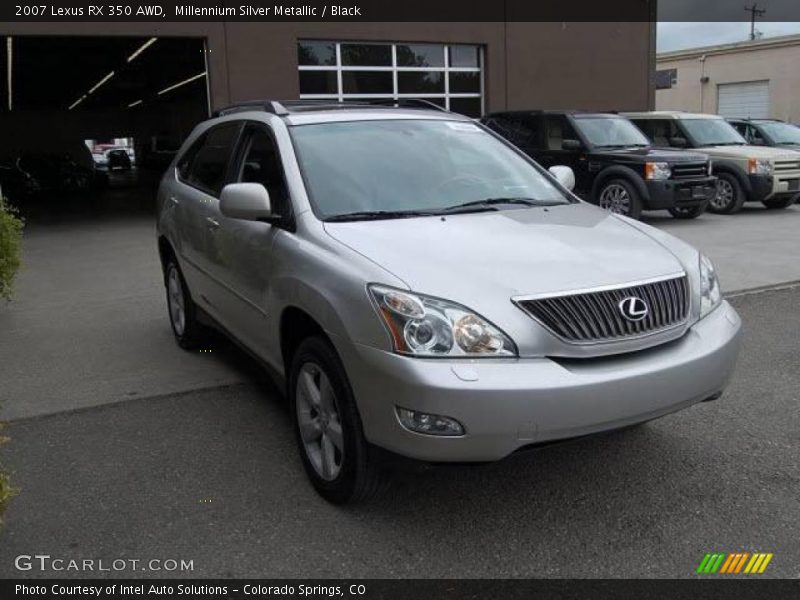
{"x": 620, "y": 172}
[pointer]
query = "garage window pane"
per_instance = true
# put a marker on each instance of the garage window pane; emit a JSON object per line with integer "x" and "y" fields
{"x": 420, "y": 82}
{"x": 316, "y": 53}
{"x": 470, "y": 107}
{"x": 318, "y": 82}
{"x": 210, "y": 164}
{"x": 464, "y": 56}
{"x": 465, "y": 82}
{"x": 367, "y": 55}
{"x": 367, "y": 82}
{"x": 420, "y": 55}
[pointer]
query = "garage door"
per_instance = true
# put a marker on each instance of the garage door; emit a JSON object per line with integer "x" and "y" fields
{"x": 749, "y": 99}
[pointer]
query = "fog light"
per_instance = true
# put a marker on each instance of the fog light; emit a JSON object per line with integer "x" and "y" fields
{"x": 420, "y": 422}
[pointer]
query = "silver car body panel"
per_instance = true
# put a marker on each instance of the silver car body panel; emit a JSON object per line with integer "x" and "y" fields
{"x": 246, "y": 275}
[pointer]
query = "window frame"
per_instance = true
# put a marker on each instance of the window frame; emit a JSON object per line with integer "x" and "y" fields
{"x": 395, "y": 69}
{"x": 192, "y": 151}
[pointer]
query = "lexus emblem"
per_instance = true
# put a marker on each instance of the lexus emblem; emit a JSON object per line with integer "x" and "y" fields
{"x": 633, "y": 308}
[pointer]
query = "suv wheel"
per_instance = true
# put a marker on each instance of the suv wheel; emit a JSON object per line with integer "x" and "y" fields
{"x": 688, "y": 212}
{"x": 340, "y": 463}
{"x": 620, "y": 197}
{"x": 729, "y": 197}
{"x": 182, "y": 310}
{"x": 776, "y": 203}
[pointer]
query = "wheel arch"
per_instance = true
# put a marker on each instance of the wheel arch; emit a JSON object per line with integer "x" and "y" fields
{"x": 731, "y": 168}
{"x": 620, "y": 172}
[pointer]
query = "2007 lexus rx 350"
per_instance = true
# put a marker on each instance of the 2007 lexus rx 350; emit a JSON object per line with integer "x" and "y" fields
{"x": 424, "y": 288}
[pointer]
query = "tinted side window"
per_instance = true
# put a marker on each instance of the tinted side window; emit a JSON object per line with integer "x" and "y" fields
{"x": 558, "y": 130}
{"x": 519, "y": 130}
{"x": 210, "y": 162}
{"x": 185, "y": 163}
{"x": 261, "y": 164}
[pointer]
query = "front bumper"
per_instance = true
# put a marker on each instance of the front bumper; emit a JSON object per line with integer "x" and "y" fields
{"x": 671, "y": 193}
{"x": 765, "y": 187}
{"x": 505, "y": 404}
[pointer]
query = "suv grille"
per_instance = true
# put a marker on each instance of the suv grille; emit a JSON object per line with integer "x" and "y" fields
{"x": 592, "y": 317}
{"x": 786, "y": 165}
{"x": 693, "y": 170}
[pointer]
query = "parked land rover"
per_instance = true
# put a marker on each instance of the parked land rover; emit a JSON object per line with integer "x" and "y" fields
{"x": 744, "y": 172}
{"x": 768, "y": 132}
{"x": 614, "y": 164}
{"x": 423, "y": 288}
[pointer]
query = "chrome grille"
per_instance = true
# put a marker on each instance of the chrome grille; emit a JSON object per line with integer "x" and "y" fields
{"x": 692, "y": 170}
{"x": 591, "y": 317}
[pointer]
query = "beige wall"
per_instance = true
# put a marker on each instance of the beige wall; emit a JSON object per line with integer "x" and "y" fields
{"x": 780, "y": 65}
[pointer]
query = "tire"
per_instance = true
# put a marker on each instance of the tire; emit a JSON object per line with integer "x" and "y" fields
{"x": 316, "y": 374}
{"x": 688, "y": 212}
{"x": 189, "y": 332}
{"x": 730, "y": 196}
{"x": 778, "y": 203}
{"x": 621, "y": 197}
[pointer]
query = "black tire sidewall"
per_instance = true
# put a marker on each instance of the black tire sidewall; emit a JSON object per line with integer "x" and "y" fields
{"x": 636, "y": 200}
{"x": 351, "y": 479}
{"x": 192, "y": 330}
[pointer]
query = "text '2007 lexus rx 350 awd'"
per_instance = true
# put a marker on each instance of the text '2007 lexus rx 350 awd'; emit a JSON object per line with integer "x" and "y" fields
{"x": 422, "y": 288}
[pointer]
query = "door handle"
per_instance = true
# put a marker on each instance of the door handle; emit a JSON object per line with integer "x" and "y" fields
{"x": 212, "y": 223}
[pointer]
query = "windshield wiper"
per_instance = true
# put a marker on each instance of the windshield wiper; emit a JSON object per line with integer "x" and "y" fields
{"x": 493, "y": 203}
{"x": 622, "y": 146}
{"x": 376, "y": 215}
{"x": 724, "y": 144}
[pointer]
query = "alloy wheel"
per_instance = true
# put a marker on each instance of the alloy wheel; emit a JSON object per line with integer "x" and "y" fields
{"x": 177, "y": 304}
{"x": 615, "y": 198}
{"x": 319, "y": 421}
{"x": 724, "y": 196}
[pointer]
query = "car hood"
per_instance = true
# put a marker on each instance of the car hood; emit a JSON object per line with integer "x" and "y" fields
{"x": 497, "y": 255}
{"x": 762, "y": 152}
{"x": 651, "y": 154}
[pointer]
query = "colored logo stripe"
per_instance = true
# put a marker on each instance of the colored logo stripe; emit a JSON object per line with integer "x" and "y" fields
{"x": 734, "y": 563}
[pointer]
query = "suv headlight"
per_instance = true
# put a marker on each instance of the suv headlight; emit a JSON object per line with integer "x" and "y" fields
{"x": 759, "y": 167}
{"x": 710, "y": 294}
{"x": 657, "y": 170}
{"x": 425, "y": 326}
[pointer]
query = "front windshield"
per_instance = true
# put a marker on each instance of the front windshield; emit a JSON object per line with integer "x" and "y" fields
{"x": 712, "y": 132}
{"x": 611, "y": 132}
{"x": 412, "y": 166}
{"x": 782, "y": 133}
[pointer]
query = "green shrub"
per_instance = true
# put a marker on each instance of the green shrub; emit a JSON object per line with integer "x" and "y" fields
{"x": 10, "y": 247}
{"x": 7, "y": 491}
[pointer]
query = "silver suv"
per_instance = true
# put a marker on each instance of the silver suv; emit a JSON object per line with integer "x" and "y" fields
{"x": 422, "y": 288}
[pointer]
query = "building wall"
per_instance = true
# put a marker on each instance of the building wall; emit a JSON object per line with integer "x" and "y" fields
{"x": 778, "y": 64}
{"x": 593, "y": 66}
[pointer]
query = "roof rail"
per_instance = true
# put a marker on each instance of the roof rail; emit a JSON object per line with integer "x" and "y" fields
{"x": 270, "y": 106}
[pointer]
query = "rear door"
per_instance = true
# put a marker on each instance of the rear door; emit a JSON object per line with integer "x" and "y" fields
{"x": 202, "y": 173}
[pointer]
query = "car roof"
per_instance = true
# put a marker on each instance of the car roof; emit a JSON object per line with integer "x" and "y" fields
{"x": 574, "y": 113}
{"x": 669, "y": 114}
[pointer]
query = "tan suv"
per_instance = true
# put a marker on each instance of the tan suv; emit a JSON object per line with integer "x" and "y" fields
{"x": 744, "y": 172}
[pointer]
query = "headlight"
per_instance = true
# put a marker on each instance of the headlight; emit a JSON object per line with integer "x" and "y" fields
{"x": 759, "y": 167}
{"x": 425, "y": 326}
{"x": 656, "y": 170}
{"x": 710, "y": 294}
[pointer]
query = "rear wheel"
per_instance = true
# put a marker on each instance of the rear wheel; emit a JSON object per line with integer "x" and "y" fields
{"x": 188, "y": 331}
{"x": 778, "y": 203}
{"x": 620, "y": 196}
{"x": 729, "y": 196}
{"x": 342, "y": 466}
{"x": 688, "y": 212}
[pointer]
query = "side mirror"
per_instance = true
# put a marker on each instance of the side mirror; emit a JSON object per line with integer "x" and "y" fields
{"x": 246, "y": 201}
{"x": 678, "y": 142}
{"x": 564, "y": 175}
{"x": 572, "y": 145}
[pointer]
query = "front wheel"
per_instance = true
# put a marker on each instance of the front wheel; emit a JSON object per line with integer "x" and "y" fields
{"x": 778, "y": 203}
{"x": 620, "y": 196}
{"x": 341, "y": 464}
{"x": 188, "y": 331}
{"x": 729, "y": 196}
{"x": 688, "y": 212}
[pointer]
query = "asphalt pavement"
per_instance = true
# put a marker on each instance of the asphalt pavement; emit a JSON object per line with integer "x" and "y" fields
{"x": 212, "y": 476}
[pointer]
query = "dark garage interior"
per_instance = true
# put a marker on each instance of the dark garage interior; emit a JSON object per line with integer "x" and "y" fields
{"x": 89, "y": 123}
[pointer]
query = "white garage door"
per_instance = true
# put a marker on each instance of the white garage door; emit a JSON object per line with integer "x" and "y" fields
{"x": 749, "y": 99}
